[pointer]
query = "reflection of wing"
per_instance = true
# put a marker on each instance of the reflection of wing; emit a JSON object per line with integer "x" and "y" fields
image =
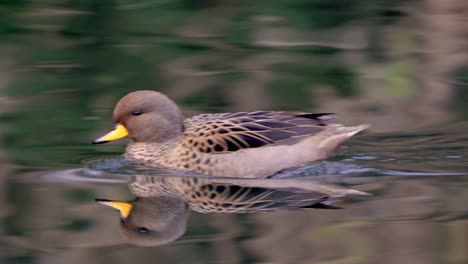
{"x": 231, "y": 195}
{"x": 227, "y": 132}
{"x": 238, "y": 199}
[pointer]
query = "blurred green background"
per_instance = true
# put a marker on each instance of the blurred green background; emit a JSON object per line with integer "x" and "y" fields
{"x": 65, "y": 63}
{"x": 401, "y": 66}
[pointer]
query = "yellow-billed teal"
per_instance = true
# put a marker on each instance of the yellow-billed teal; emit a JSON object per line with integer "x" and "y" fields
{"x": 242, "y": 144}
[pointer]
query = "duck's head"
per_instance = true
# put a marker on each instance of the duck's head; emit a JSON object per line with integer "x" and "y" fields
{"x": 145, "y": 116}
{"x": 151, "y": 221}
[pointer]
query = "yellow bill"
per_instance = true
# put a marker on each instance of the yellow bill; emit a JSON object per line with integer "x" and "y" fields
{"x": 124, "y": 208}
{"x": 120, "y": 131}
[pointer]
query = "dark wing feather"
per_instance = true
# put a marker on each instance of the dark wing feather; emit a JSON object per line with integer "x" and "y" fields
{"x": 227, "y": 132}
{"x": 229, "y": 198}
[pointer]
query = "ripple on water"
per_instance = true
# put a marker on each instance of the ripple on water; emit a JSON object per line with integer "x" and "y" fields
{"x": 368, "y": 156}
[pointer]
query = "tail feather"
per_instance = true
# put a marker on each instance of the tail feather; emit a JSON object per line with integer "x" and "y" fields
{"x": 348, "y": 131}
{"x": 337, "y": 134}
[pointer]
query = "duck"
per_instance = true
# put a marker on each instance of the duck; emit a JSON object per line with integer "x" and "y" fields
{"x": 233, "y": 144}
{"x": 160, "y": 212}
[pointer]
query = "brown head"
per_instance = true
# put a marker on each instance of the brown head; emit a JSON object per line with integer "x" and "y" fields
{"x": 145, "y": 116}
{"x": 151, "y": 221}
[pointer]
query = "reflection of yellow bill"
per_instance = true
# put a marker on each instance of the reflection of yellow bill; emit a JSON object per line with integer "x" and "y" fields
{"x": 124, "y": 208}
{"x": 120, "y": 131}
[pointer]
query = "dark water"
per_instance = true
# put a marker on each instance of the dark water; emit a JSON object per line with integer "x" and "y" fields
{"x": 397, "y": 65}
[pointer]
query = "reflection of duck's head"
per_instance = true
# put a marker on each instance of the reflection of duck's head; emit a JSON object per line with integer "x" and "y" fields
{"x": 151, "y": 221}
{"x": 160, "y": 214}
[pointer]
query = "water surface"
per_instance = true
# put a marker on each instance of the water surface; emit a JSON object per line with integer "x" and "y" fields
{"x": 416, "y": 211}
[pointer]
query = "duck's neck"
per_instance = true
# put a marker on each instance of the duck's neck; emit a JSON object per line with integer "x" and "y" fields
{"x": 150, "y": 152}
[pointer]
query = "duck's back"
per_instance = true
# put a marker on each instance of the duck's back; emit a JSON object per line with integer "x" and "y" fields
{"x": 230, "y": 132}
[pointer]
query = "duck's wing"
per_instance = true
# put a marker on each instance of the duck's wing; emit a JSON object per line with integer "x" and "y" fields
{"x": 228, "y": 198}
{"x": 228, "y": 132}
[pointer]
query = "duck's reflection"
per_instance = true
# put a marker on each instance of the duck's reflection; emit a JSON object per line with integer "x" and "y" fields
{"x": 160, "y": 212}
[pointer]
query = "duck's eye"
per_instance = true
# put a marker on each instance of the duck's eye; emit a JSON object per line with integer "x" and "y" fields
{"x": 143, "y": 230}
{"x": 137, "y": 113}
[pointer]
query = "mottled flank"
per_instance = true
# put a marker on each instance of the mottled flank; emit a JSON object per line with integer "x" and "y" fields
{"x": 243, "y": 144}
